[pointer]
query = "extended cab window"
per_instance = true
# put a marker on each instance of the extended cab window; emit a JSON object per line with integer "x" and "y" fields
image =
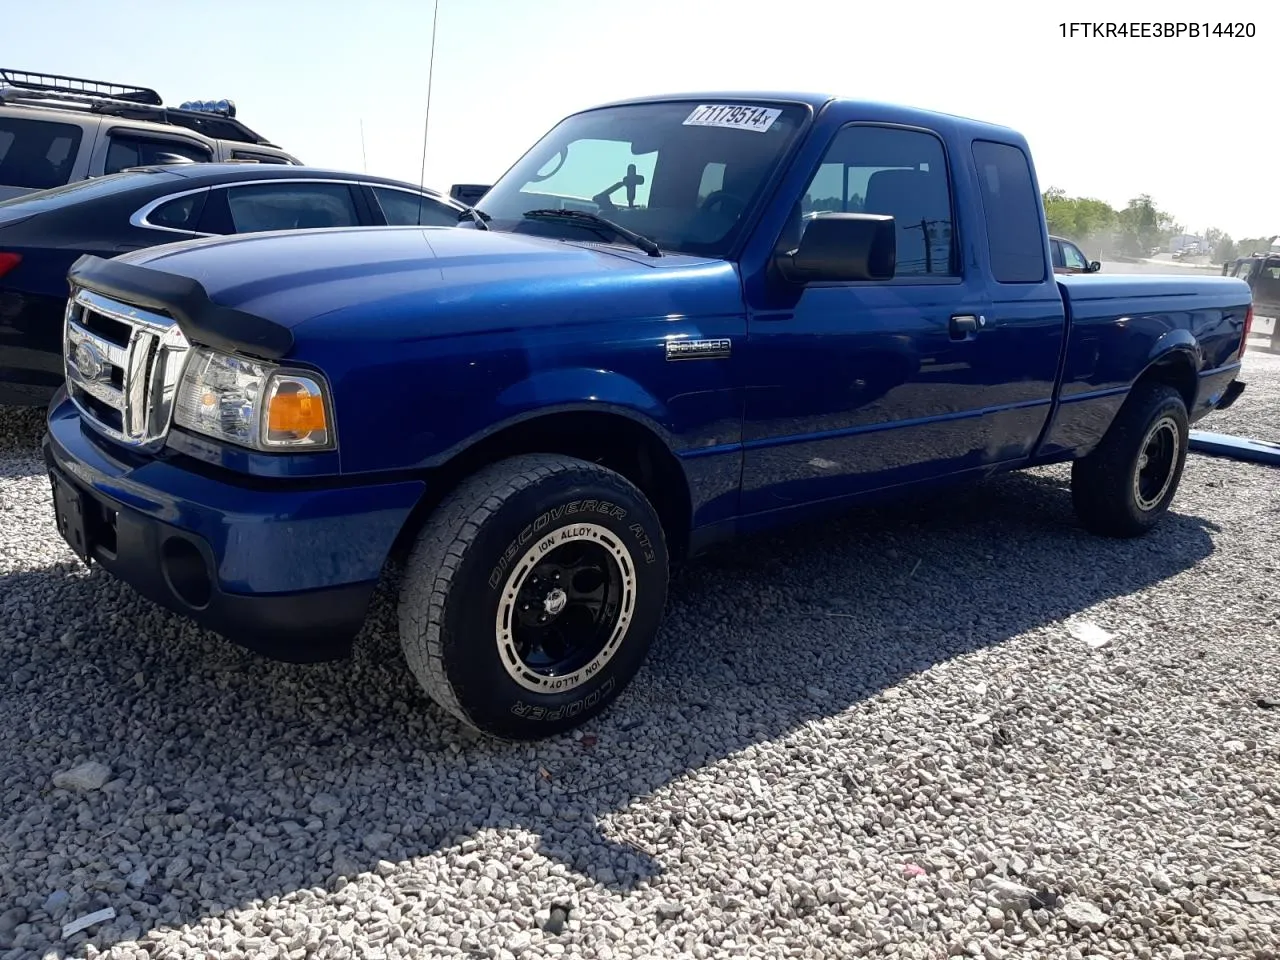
{"x": 131, "y": 150}
{"x": 682, "y": 174}
{"x": 712, "y": 180}
{"x": 402, "y": 208}
{"x": 288, "y": 206}
{"x": 1011, "y": 207}
{"x": 37, "y": 154}
{"x": 902, "y": 173}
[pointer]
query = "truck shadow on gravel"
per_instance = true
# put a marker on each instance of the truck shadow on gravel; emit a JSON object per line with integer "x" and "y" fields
{"x": 234, "y": 779}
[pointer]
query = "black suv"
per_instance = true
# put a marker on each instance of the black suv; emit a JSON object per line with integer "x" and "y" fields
{"x": 1262, "y": 272}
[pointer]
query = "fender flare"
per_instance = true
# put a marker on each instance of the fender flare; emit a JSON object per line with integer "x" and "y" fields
{"x": 1178, "y": 341}
{"x": 568, "y": 390}
{"x": 1175, "y": 346}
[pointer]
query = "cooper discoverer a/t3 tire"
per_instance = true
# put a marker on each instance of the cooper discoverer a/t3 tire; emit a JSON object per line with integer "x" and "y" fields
{"x": 532, "y": 595}
{"x": 1125, "y": 485}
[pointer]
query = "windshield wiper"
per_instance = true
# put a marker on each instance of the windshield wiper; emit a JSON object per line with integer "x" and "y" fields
{"x": 479, "y": 216}
{"x": 644, "y": 243}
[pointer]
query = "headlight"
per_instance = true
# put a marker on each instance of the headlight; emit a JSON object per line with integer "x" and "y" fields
{"x": 254, "y": 404}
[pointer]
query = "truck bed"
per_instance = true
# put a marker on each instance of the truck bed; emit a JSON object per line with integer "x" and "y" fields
{"x": 1116, "y": 325}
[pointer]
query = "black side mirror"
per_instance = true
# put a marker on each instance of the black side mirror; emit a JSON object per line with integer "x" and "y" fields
{"x": 468, "y": 193}
{"x": 1094, "y": 266}
{"x": 844, "y": 246}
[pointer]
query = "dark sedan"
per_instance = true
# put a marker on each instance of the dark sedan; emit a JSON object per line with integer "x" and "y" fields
{"x": 42, "y": 234}
{"x": 1068, "y": 258}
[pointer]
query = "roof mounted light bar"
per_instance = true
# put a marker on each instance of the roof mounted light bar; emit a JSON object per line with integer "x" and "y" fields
{"x": 223, "y": 108}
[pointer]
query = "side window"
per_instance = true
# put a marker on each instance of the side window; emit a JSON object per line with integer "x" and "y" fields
{"x": 903, "y": 173}
{"x": 1011, "y": 209}
{"x": 291, "y": 206}
{"x": 403, "y": 209}
{"x": 180, "y": 213}
{"x": 1073, "y": 258}
{"x": 37, "y": 154}
{"x": 1055, "y": 251}
{"x": 712, "y": 180}
{"x": 131, "y": 150}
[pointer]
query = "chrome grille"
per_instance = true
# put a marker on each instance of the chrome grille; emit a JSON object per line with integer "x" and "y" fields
{"x": 122, "y": 366}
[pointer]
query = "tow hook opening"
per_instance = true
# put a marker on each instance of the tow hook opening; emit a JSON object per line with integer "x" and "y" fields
{"x": 186, "y": 572}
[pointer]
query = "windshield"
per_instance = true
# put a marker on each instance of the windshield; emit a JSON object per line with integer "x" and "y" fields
{"x": 681, "y": 174}
{"x": 43, "y": 200}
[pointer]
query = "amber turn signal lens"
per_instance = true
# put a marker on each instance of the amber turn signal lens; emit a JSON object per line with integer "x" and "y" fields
{"x": 296, "y": 413}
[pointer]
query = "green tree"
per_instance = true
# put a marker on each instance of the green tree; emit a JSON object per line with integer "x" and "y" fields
{"x": 1142, "y": 226}
{"x": 1251, "y": 245}
{"x": 1078, "y": 218}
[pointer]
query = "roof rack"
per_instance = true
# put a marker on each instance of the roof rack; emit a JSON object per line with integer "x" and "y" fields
{"x": 56, "y": 83}
{"x": 120, "y": 100}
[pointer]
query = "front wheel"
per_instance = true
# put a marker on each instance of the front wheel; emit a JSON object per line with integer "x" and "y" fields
{"x": 1125, "y": 485}
{"x": 531, "y": 597}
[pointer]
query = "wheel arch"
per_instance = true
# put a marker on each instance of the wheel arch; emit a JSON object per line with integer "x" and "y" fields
{"x": 1176, "y": 365}
{"x": 617, "y": 438}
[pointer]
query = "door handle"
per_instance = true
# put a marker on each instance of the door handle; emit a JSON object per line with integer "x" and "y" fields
{"x": 965, "y": 324}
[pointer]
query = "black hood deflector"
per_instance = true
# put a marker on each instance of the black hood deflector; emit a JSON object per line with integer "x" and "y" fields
{"x": 200, "y": 319}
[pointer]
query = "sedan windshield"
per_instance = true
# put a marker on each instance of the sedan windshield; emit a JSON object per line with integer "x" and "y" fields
{"x": 680, "y": 174}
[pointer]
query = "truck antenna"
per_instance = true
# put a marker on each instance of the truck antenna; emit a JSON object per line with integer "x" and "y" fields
{"x": 364, "y": 157}
{"x": 426, "y": 119}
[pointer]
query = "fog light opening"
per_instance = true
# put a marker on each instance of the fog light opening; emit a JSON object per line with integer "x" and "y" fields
{"x": 186, "y": 573}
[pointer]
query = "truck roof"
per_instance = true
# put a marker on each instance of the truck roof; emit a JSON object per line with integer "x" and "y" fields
{"x": 817, "y": 101}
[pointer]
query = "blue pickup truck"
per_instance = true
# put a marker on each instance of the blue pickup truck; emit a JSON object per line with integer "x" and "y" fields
{"x": 672, "y": 321}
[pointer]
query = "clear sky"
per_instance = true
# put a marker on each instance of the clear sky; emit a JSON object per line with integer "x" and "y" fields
{"x": 1106, "y": 117}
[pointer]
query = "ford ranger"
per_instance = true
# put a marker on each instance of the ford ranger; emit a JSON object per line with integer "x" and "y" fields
{"x": 673, "y": 320}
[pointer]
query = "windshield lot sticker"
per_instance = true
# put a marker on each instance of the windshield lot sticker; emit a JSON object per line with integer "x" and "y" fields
{"x": 733, "y": 117}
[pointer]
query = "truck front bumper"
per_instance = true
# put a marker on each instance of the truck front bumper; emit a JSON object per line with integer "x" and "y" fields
{"x": 282, "y": 569}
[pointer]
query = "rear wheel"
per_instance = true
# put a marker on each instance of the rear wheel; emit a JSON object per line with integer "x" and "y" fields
{"x": 531, "y": 597}
{"x": 1125, "y": 485}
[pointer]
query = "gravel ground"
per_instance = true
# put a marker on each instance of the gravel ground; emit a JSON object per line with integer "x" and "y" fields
{"x": 963, "y": 727}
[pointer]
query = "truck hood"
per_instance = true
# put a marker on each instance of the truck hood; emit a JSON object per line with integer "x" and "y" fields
{"x": 426, "y": 281}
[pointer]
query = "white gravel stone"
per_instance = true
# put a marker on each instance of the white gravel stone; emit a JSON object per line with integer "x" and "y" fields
{"x": 1084, "y": 915}
{"x": 826, "y": 755}
{"x": 86, "y": 776}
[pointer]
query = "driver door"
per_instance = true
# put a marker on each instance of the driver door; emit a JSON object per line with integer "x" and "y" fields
{"x": 861, "y": 385}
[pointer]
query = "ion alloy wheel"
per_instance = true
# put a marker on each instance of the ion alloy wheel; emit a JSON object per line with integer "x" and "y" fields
{"x": 1157, "y": 464}
{"x": 565, "y": 608}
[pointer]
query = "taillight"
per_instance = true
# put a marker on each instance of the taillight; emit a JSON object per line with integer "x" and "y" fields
{"x": 8, "y": 261}
{"x": 1244, "y": 341}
